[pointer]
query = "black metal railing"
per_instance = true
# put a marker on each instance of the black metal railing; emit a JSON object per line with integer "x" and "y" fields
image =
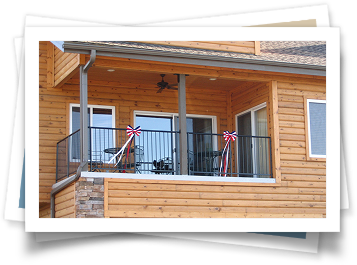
{"x": 157, "y": 152}
{"x": 68, "y": 156}
{"x": 247, "y": 156}
{"x": 152, "y": 152}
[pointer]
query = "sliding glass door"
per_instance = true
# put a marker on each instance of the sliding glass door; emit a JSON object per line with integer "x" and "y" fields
{"x": 253, "y": 146}
{"x": 162, "y": 145}
{"x": 156, "y": 144}
{"x": 261, "y": 144}
{"x": 200, "y": 143}
{"x": 245, "y": 155}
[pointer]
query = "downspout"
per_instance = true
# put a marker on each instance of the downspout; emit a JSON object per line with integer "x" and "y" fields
{"x": 83, "y": 133}
{"x": 64, "y": 184}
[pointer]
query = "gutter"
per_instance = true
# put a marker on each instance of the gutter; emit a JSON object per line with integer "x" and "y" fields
{"x": 84, "y": 164}
{"x": 196, "y": 59}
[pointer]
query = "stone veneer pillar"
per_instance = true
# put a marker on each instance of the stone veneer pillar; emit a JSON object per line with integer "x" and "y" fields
{"x": 89, "y": 198}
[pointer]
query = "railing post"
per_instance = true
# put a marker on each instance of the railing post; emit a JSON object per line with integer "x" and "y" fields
{"x": 271, "y": 159}
{"x": 90, "y": 148}
{"x": 68, "y": 154}
{"x": 56, "y": 162}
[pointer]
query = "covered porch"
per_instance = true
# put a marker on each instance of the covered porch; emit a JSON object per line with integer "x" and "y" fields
{"x": 209, "y": 103}
{"x": 173, "y": 168}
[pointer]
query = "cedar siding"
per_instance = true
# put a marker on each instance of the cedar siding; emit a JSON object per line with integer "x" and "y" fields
{"x": 65, "y": 202}
{"x": 300, "y": 188}
{"x": 250, "y": 47}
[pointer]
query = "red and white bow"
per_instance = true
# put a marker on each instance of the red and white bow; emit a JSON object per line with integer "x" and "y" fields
{"x": 130, "y": 131}
{"x": 225, "y": 153}
{"x": 229, "y": 136}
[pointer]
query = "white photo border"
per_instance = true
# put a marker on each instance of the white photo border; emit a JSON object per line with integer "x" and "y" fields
{"x": 329, "y": 224}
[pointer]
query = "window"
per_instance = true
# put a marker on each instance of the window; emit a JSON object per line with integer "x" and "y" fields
{"x": 254, "y": 147}
{"x": 98, "y": 116}
{"x": 316, "y": 123}
{"x": 165, "y": 144}
{"x": 157, "y": 143}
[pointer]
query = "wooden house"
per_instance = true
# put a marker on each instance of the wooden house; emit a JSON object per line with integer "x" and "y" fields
{"x": 188, "y": 98}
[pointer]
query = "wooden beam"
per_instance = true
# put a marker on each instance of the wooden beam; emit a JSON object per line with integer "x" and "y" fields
{"x": 257, "y": 47}
{"x": 274, "y": 119}
{"x": 50, "y": 65}
{"x": 218, "y": 46}
{"x": 218, "y": 72}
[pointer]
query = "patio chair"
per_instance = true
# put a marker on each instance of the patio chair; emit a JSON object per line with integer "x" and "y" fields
{"x": 163, "y": 166}
{"x": 138, "y": 156}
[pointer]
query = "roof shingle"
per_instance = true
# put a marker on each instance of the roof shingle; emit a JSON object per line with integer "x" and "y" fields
{"x": 300, "y": 52}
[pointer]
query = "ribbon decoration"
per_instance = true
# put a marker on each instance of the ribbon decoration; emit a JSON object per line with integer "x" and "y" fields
{"x": 130, "y": 132}
{"x": 228, "y": 137}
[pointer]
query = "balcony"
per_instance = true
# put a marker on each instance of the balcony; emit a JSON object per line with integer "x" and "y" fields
{"x": 157, "y": 152}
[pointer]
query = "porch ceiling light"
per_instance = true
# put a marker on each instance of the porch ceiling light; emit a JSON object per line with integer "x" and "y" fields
{"x": 213, "y": 78}
{"x": 110, "y": 70}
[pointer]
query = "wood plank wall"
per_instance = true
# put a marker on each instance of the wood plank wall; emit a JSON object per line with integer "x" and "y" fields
{"x": 153, "y": 198}
{"x": 250, "y": 47}
{"x": 65, "y": 203}
{"x": 126, "y": 98}
{"x": 60, "y": 65}
{"x": 54, "y": 111}
{"x": 50, "y": 120}
{"x": 45, "y": 211}
{"x": 297, "y": 167}
{"x": 301, "y": 193}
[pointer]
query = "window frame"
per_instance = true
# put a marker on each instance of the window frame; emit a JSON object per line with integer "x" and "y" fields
{"x": 253, "y": 129}
{"x": 309, "y": 155}
{"x": 173, "y": 115}
{"x": 90, "y": 107}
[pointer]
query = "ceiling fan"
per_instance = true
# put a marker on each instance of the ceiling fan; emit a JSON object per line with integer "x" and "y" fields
{"x": 162, "y": 85}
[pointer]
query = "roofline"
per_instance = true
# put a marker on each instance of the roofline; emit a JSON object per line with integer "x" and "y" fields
{"x": 195, "y": 59}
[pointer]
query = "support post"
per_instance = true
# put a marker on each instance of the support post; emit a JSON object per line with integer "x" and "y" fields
{"x": 182, "y": 123}
{"x": 84, "y": 115}
{"x": 83, "y": 71}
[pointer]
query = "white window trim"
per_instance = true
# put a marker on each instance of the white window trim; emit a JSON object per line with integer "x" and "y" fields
{"x": 252, "y": 117}
{"x": 71, "y": 105}
{"x": 182, "y": 177}
{"x": 173, "y": 115}
{"x": 308, "y": 101}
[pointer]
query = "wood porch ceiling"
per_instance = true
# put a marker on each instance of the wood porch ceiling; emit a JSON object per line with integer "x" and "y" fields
{"x": 148, "y": 79}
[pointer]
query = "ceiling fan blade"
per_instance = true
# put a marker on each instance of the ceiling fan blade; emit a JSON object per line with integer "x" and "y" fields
{"x": 172, "y": 86}
{"x": 160, "y": 90}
